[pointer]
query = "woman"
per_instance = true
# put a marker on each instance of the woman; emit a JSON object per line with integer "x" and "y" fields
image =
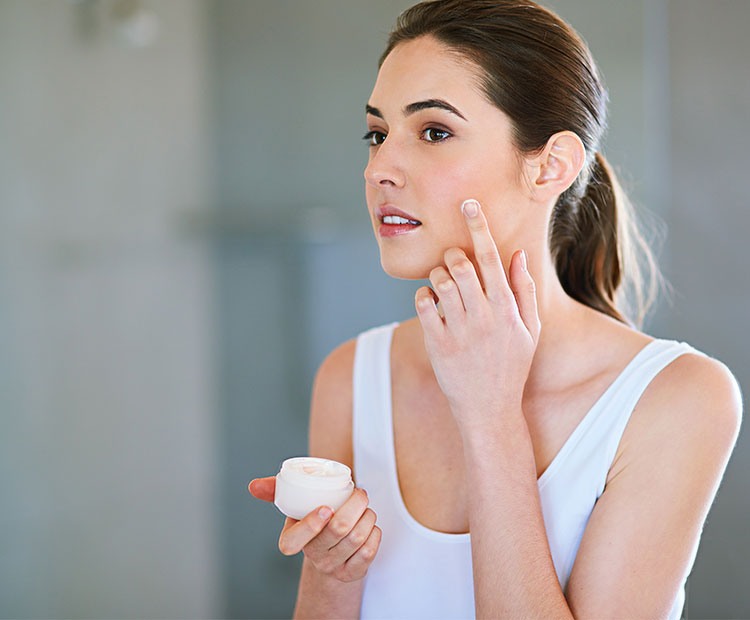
{"x": 525, "y": 450}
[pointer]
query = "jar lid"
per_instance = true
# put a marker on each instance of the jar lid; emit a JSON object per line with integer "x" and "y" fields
{"x": 316, "y": 472}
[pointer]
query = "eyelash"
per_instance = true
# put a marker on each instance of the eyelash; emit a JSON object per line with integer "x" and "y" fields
{"x": 370, "y": 134}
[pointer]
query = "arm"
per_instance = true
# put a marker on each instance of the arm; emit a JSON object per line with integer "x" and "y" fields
{"x": 514, "y": 576}
{"x": 321, "y": 596}
{"x": 330, "y": 436}
{"x": 642, "y": 535}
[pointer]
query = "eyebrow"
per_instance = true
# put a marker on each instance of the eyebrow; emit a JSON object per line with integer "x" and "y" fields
{"x": 417, "y": 106}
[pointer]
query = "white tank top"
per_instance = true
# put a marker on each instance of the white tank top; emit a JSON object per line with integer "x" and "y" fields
{"x": 422, "y": 573}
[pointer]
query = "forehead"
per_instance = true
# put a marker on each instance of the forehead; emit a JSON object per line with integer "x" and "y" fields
{"x": 423, "y": 68}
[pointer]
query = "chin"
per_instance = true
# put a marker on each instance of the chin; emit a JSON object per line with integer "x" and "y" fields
{"x": 403, "y": 270}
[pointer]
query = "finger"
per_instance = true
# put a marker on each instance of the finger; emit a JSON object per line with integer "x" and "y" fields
{"x": 424, "y": 300}
{"x": 524, "y": 289}
{"x": 342, "y": 522}
{"x": 463, "y": 273}
{"x": 357, "y": 565}
{"x": 297, "y": 534}
{"x": 490, "y": 264}
{"x": 263, "y": 488}
{"x": 448, "y": 293}
{"x": 350, "y": 544}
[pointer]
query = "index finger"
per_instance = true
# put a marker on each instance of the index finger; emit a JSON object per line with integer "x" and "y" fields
{"x": 328, "y": 531}
{"x": 297, "y": 533}
{"x": 495, "y": 281}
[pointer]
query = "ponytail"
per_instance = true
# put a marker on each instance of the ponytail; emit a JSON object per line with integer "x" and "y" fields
{"x": 595, "y": 244}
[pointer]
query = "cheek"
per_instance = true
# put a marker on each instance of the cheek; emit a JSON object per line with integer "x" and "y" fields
{"x": 449, "y": 184}
{"x": 481, "y": 175}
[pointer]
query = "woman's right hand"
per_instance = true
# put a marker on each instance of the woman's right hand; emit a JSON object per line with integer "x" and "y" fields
{"x": 342, "y": 545}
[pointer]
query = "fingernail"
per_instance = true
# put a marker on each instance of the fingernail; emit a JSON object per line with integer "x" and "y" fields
{"x": 325, "y": 512}
{"x": 524, "y": 262}
{"x": 470, "y": 207}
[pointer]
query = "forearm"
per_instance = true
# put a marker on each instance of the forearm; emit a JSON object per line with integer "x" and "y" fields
{"x": 321, "y": 596}
{"x": 514, "y": 576}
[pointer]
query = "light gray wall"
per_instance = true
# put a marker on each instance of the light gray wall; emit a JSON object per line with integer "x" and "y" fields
{"x": 709, "y": 221}
{"x": 108, "y": 456}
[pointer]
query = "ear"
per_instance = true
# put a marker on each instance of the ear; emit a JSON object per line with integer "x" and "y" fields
{"x": 558, "y": 165}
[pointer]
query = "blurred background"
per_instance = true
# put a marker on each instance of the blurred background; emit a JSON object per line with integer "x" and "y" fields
{"x": 184, "y": 238}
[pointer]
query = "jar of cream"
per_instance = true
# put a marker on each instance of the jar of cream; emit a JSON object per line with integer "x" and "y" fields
{"x": 306, "y": 482}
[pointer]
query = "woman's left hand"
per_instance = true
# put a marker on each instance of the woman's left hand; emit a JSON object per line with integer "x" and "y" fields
{"x": 482, "y": 350}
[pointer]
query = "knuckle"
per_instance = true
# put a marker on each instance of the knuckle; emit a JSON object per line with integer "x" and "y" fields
{"x": 325, "y": 566}
{"x": 358, "y": 538}
{"x": 339, "y": 528}
{"x": 463, "y": 267}
{"x": 489, "y": 257}
{"x": 452, "y": 255}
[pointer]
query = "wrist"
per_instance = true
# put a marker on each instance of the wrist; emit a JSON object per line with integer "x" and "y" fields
{"x": 508, "y": 432}
{"x": 480, "y": 426}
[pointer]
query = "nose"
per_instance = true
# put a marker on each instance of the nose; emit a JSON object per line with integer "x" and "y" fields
{"x": 382, "y": 169}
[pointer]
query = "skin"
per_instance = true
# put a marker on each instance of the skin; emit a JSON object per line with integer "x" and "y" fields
{"x": 429, "y": 174}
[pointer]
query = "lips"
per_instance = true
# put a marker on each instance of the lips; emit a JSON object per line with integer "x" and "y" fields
{"x": 384, "y": 210}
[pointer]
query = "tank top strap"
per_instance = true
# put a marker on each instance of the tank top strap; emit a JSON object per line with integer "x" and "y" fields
{"x": 608, "y": 426}
{"x": 371, "y": 393}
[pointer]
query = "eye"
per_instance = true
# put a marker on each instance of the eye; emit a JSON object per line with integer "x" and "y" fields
{"x": 371, "y": 134}
{"x": 440, "y": 131}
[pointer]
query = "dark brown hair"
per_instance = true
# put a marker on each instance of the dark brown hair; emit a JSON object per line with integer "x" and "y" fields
{"x": 539, "y": 71}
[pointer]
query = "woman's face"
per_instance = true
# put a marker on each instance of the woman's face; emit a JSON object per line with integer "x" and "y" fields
{"x": 427, "y": 162}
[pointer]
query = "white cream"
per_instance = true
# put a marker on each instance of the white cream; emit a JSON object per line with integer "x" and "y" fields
{"x": 306, "y": 482}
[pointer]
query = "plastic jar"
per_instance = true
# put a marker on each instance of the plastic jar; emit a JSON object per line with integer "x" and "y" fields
{"x": 306, "y": 482}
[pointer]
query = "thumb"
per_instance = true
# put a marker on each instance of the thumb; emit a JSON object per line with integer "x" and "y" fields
{"x": 263, "y": 488}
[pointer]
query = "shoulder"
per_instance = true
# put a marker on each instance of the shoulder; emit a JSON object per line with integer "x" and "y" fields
{"x": 693, "y": 387}
{"x": 330, "y": 429}
{"x": 693, "y": 399}
{"x": 697, "y": 389}
{"x": 693, "y": 403}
